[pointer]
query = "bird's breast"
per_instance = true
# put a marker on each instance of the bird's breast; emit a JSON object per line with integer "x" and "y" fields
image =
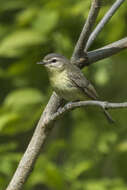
{"x": 60, "y": 81}
{"x": 64, "y": 87}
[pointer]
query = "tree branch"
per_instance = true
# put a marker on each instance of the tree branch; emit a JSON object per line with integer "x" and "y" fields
{"x": 104, "y": 20}
{"x": 105, "y": 52}
{"x": 38, "y": 140}
{"x": 79, "y": 48}
{"x": 45, "y": 126}
{"x": 102, "y": 53}
{"x": 43, "y": 129}
{"x": 102, "y": 104}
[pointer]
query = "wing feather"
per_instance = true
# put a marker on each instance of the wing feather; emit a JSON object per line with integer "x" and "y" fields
{"x": 81, "y": 82}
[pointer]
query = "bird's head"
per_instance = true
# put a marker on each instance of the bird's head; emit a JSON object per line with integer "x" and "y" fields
{"x": 54, "y": 61}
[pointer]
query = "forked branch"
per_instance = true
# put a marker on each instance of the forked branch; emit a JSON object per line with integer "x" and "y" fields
{"x": 104, "y": 52}
{"x": 104, "y": 20}
{"x": 81, "y": 43}
{"x": 51, "y": 112}
{"x": 73, "y": 105}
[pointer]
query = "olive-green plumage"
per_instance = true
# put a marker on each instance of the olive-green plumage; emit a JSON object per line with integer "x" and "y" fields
{"x": 68, "y": 81}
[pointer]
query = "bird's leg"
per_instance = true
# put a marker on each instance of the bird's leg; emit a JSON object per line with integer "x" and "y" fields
{"x": 62, "y": 103}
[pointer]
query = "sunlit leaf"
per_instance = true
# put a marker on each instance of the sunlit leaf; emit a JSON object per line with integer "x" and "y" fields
{"x": 45, "y": 21}
{"x": 26, "y": 16}
{"x": 23, "y": 97}
{"x": 7, "y": 118}
{"x": 14, "y": 44}
{"x": 73, "y": 172}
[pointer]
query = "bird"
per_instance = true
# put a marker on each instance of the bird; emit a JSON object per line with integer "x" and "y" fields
{"x": 68, "y": 81}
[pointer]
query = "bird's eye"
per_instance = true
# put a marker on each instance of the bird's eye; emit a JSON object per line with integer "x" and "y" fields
{"x": 54, "y": 60}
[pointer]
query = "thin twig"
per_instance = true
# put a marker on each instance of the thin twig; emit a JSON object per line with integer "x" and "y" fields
{"x": 101, "y": 24}
{"x": 102, "y": 104}
{"x": 41, "y": 133}
{"x": 79, "y": 48}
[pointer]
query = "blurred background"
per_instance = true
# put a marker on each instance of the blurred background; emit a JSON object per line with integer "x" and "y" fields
{"x": 83, "y": 151}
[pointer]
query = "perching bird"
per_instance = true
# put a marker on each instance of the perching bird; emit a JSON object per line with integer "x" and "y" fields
{"x": 68, "y": 81}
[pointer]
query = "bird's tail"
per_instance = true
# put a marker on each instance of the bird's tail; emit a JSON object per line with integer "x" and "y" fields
{"x": 108, "y": 116}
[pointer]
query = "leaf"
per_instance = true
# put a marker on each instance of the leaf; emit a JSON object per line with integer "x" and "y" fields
{"x": 73, "y": 172}
{"x": 21, "y": 109}
{"x": 45, "y": 21}
{"x": 51, "y": 176}
{"x": 19, "y": 99}
{"x": 7, "y": 162}
{"x": 105, "y": 142}
{"x": 122, "y": 147}
{"x": 7, "y": 118}
{"x": 14, "y": 44}
{"x": 26, "y": 16}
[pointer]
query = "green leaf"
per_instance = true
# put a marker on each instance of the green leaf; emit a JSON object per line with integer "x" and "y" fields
{"x": 26, "y": 16}
{"x": 14, "y": 44}
{"x": 45, "y": 21}
{"x": 19, "y": 99}
{"x": 47, "y": 173}
{"x": 73, "y": 172}
{"x": 8, "y": 118}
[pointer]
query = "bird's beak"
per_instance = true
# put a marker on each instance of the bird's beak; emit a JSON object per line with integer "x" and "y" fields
{"x": 42, "y": 63}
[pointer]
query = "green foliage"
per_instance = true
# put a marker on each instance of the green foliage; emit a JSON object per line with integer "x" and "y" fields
{"x": 83, "y": 151}
{"x": 17, "y": 109}
{"x": 15, "y": 44}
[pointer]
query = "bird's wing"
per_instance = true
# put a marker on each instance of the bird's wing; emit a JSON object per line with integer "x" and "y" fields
{"x": 81, "y": 82}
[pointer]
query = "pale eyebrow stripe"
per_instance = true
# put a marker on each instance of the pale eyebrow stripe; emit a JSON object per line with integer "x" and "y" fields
{"x": 54, "y": 58}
